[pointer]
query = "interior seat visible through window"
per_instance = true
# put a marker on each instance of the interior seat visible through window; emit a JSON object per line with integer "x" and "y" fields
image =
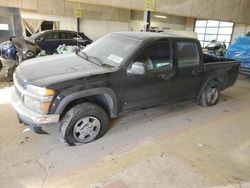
{"x": 157, "y": 56}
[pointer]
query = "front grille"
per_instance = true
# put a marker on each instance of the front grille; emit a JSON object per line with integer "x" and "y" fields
{"x": 20, "y": 85}
{"x": 18, "y": 92}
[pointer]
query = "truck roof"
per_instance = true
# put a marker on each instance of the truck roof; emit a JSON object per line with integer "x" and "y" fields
{"x": 147, "y": 35}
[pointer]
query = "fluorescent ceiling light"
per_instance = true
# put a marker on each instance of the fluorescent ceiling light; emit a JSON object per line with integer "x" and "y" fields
{"x": 160, "y": 16}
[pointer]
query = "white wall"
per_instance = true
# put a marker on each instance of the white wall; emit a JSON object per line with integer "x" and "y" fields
{"x": 95, "y": 29}
{"x": 136, "y": 25}
{"x": 240, "y": 29}
{"x": 65, "y": 23}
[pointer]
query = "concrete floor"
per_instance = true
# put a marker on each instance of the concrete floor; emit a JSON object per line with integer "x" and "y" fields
{"x": 182, "y": 145}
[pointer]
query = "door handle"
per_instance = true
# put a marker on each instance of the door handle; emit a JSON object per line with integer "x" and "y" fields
{"x": 196, "y": 72}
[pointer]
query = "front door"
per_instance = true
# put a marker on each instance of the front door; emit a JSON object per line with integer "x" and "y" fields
{"x": 154, "y": 87}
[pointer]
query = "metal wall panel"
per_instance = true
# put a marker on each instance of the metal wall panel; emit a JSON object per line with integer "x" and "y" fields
{"x": 10, "y": 17}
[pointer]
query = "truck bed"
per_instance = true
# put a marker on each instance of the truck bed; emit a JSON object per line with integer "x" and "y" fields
{"x": 211, "y": 59}
{"x": 222, "y": 66}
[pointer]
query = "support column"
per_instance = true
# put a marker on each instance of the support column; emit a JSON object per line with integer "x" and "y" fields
{"x": 147, "y": 20}
{"x": 78, "y": 25}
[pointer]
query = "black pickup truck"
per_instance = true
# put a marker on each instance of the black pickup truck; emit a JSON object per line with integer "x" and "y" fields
{"x": 120, "y": 72}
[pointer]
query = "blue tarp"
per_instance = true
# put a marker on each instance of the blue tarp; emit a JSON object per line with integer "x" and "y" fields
{"x": 240, "y": 51}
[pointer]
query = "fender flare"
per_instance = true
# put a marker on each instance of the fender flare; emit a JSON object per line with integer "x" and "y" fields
{"x": 204, "y": 84}
{"x": 108, "y": 93}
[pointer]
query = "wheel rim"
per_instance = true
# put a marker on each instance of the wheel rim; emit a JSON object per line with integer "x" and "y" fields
{"x": 212, "y": 95}
{"x": 86, "y": 129}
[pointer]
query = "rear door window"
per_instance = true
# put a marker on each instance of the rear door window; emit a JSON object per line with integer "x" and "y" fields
{"x": 62, "y": 36}
{"x": 54, "y": 36}
{"x": 70, "y": 36}
{"x": 188, "y": 54}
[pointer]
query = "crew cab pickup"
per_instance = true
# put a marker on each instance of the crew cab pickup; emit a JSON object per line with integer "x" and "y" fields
{"x": 120, "y": 72}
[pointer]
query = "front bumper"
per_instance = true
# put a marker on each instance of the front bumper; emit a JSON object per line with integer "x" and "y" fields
{"x": 29, "y": 117}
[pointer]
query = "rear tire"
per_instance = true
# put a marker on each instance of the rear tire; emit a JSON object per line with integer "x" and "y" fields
{"x": 83, "y": 123}
{"x": 211, "y": 94}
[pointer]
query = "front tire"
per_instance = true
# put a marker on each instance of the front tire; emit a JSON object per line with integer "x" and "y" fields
{"x": 211, "y": 94}
{"x": 83, "y": 123}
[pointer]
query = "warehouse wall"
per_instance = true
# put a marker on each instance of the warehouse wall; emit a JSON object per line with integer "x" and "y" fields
{"x": 127, "y": 21}
{"x": 227, "y": 10}
{"x": 99, "y": 20}
{"x": 67, "y": 23}
{"x": 240, "y": 29}
{"x": 97, "y": 28}
{"x": 11, "y": 18}
{"x": 172, "y": 22}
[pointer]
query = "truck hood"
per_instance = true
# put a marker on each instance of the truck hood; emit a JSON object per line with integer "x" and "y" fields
{"x": 47, "y": 70}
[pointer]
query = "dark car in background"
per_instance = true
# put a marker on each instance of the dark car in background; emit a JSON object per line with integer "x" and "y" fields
{"x": 18, "y": 49}
{"x": 12, "y": 53}
{"x": 45, "y": 40}
{"x": 25, "y": 49}
{"x": 50, "y": 40}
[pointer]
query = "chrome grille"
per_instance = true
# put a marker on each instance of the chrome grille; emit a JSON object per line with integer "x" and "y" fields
{"x": 18, "y": 92}
{"x": 20, "y": 81}
{"x": 19, "y": 86}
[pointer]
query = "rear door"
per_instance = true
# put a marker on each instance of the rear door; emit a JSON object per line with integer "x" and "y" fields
{"x": 68, "y": 38}
{"x": 188, "y": 69}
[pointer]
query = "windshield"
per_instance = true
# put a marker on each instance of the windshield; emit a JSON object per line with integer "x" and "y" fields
{"x": 111, "y": 49}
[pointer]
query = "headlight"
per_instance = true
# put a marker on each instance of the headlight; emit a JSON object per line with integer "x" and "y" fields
{"x": 38, "y": 98}
{"x": 40, "y": 91}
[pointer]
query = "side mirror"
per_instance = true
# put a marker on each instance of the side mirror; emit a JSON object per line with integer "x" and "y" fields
{"x": 137, "y": 68}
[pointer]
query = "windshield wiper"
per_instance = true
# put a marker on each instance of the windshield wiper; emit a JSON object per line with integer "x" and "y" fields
{"x": 93, "y": 59}
{"x": 98, "y": 61}
{"x": 82, "y": 55}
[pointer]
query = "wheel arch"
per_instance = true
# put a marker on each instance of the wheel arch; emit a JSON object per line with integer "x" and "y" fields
{"x": 221, "y": 80}
{"x": 104, "y": 97}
